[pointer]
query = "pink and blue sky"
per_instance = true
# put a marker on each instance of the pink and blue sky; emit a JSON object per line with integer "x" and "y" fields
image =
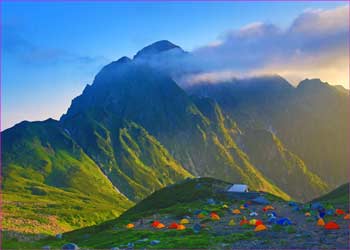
{"x": 51, "y": 50}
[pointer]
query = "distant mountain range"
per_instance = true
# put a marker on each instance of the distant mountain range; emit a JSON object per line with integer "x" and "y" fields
{"x": 134, "y": 131}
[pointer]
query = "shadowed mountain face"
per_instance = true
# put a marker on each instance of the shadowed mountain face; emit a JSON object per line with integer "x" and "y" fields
{"x": 134, "y": 131}
{"x": 310, "y": 120}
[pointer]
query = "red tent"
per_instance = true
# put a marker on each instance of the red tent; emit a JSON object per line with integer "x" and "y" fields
{"x": 155, "y": 223}
{"x": 331, "y": 225}
{"x": 173, "y": 225}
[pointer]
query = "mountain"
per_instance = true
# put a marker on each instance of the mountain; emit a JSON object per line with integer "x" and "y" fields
{"x": 339, "y": 196}
{"x": 278, "y": 164}
{"x": 50, "y": 185}
{"x": 139, "y": 93}
{"x": 310, "y": 119}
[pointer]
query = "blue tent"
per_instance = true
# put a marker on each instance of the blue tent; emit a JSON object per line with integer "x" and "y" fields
{"x": 211, "y": 201}
{"x": 272, "y": 220}
{"x": 197, "y": 228}
{"x": 284, "y": 222}
{"x": 260, "y": 200}
{"x": 70, "y": 246}
{"x": 316, "y": 205}
{"x": 292, "y": 203}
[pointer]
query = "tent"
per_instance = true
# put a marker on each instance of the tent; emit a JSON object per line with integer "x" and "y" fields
{"x": 184, "y": 221}
{"x": 258, "y": 222}
{"x": 232, "y": 222}
{"x": 320, "y": 222}
{"x": 307, "y": 214}
{"x": 292, "y": 203}
{"x": 260, "y": 200}
{"x": 271, "y": 214}
{"x": 197, "y": 228}
{"x": 181, "y": 227}
{"x": 347, "y": 217}
{"x": 130, "y": 226}
{"x": 173, "y": 225}
{"x": 253, "y": 214}
{"x": 316, "y": 205}
{"x": 272, "y": 220}
{"x": 224, "y": 206}
{"x": 201, "y": 216}
{"x": 238, "y": 188}
{"x": 252, "y": 222}
{"x": 155, "y": 223}
{"x": 330, "y": 212}
{"x": 321, "y": 214}
{"x": 331, "y": 226}
{"x": 339, "y": 212}
{"x": 214, "y": 216}
{"x": 259, "y": 228}
{"x": 284, "y": 222}
{"x": 70, "y": 246}
{"x": 236, "y": 211}
{"x": 160, "y": 226}
{"x": 211, "y": 201}
{"x": 267, "y": 208}
{"x": 244, "y": 222}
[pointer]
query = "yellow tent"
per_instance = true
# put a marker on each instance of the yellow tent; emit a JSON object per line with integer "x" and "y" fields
{"x": 236, "y": 211}
{"x": 320, "y": 222}
{"x": 232, "y": 222}
{"x": 130, "y": 225}
{"x": 184, "y": 221}
{"x": 242, "y": 207}
{"x": 260, "y": 227}
{"x": 224, "y": 206}
{"x": 252, "y": 222}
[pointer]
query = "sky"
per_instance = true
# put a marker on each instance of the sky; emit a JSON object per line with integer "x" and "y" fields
{"x": 51, "y": 50}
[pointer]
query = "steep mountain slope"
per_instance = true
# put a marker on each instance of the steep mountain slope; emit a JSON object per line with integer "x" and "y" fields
{"x": 133, "y": 91}
{"x": 50, "y": 185}
{"x": 310, "y": 120}
{"x": 280, "y": 165}
{"x": 338, "y": 196}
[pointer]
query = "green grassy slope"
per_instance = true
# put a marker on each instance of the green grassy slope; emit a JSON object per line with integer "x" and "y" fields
{"x": 50, "y": 184}
{"x": 339, "y": 196}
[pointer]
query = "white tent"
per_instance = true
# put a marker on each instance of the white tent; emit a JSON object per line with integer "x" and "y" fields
{"x": 238, "y": 188}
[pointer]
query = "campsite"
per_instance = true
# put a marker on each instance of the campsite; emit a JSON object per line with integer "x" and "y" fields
{"x": 195, "y": 213}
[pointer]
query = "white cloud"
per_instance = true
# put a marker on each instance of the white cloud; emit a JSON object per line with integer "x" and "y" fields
{"x": 315, "y": 45}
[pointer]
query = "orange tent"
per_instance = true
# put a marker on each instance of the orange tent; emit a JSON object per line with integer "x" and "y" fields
{"x": 160, "y": 226}
{"x": 155, "y": 223}
{"x": 261, "y": 227}
{"x": 214, "y": 216}
{"x": 200, "y": 216}
{"x": 268, "y": 207}
{"x": 347, "y": 217}
{"x": 181, "y": 227}
{"x": 320, "y": 222}
{"x": 331, "y": 225}
{"x": 236, "y": 211}
{"x": 130, "y": 225}
{"x": 339, "y": 212}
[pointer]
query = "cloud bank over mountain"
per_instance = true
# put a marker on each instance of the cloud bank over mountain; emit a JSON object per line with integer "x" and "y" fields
{"x": 314, "y": 45}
